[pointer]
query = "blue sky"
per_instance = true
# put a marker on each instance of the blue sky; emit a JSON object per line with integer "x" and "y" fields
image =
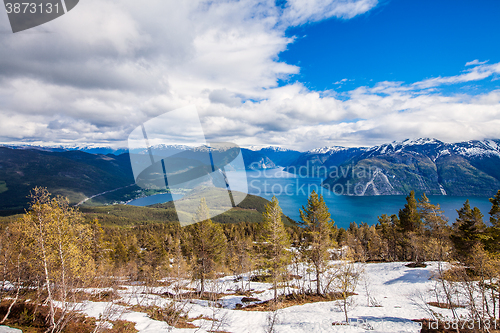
{"x": 399, "y": 40}
{"x": 300, "y": 74}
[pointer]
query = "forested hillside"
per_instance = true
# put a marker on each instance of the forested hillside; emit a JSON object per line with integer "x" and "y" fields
{"x": 73, "y": 174}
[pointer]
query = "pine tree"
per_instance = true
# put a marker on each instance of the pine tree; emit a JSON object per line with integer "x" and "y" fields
{"x": 97, "y": 242}
{"x": 410, "y": 226}
{"x": 276, "y": 243}
{"x": 409, "y": 218}
{"x": 120, "y": 254}
{"x": 316, "y": 218}
{"x": 388, "y": 226}
{"x": 467, "y": 230}
{"x": 495, "y": 210}
{"x": 436, "y": 225}
{"x": 209, "y": 244}
{"x": 493, "y": 243}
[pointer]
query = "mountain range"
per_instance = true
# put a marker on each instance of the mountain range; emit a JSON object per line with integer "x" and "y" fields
{"x": 424, "y": 165}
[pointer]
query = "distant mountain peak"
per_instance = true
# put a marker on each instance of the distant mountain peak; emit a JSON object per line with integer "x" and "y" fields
{"x": 275, "y": 148}
{"x": 163, "y": 146}
{"x": 327, "y": 150}
{"x": 420, "y": 141}
{"x": 407, "y": 145}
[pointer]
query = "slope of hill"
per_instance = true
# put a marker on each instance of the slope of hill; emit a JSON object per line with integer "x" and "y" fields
{"x": 249, "y": 210}
{"x": 280, "y": 156}
{"x": 78, "y": 175}
{"x": 316, "y": 162}
{"x": 255, "y": 160}
{"x": 423, "y": 165}
{"x": 73, "y": 174}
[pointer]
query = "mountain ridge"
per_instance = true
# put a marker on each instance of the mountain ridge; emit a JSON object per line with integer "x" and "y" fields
{"x": 424, "y": 165}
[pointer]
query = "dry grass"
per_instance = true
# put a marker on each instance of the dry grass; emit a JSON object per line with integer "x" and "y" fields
{"x": 459, "y": 274}
{"x": 30, "y": 318}
{"x": 293, "y": 299}
{"x": 205, "y": 296}
{"x": 101, "y": 296}
{"x": 170, "y": 314}
{"x": 444, "y": 305}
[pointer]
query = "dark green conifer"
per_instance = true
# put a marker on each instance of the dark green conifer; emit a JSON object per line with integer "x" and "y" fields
{"x": 276, "y": 243}
{"x": 435, "y": 224}
{"x": 409, "y": 219}
{"x": 120, "y": 253}
{"x": 492, "y": 244}
{"x": 318, "y": 223}
{"x": 468, "y": 230}
{"x": 209, "y": 244}
{"x": 495, "y": 210}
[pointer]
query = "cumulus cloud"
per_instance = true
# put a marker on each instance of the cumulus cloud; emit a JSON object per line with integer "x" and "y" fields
{"x": 223, "y": 96}
{"x": 96, "y": 73}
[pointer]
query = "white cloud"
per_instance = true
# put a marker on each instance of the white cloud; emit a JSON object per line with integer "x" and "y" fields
{"x": 341, "y": 82}
{"x": 475, "y": 62}
{"x": 298, "y": 12}
{"x": 476, "y": 73}
{"x": 96, "y": 73}
{"x": 223, "y": 96}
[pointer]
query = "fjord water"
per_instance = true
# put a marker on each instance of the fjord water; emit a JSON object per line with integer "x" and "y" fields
{"x": 292, "y": 193}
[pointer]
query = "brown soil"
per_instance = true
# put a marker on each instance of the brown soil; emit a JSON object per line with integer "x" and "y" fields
{"x": 293, "y": 299}
{"x": 444, "y": 305}
{"x": 416, "y": 265}
{"x": 250, "y": 299}
{"x": 31, "y": 319}
{"x": 206, "y": 296}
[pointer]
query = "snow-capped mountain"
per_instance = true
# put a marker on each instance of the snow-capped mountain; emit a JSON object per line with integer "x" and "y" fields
{"x": 418, "y": 145}
{"x": 316, "y": 162}
{"x": 424, "y": 165}
{"x": 275, "y": 149}
{"x": 91, "y": 149}
{"x": 280, "y": 156}
{"x": 478, "y": 148}
{"x": 473, "y": 148}
{"x": 327, "y": 150}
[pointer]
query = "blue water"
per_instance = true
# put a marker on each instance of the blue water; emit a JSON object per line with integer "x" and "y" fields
{"x": 292, "y": 193}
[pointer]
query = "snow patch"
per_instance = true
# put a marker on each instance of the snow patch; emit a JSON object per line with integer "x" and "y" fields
{"x": 443, "y": 191}
{"x": 394, "y": 286}
{"x": 327, "y": 150}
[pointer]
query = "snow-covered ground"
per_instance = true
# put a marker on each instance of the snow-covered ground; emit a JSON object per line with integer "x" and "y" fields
{"x": 397, "y": 291}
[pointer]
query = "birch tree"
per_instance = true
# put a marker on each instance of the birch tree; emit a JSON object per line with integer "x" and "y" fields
{"x": 59, "y": 249}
